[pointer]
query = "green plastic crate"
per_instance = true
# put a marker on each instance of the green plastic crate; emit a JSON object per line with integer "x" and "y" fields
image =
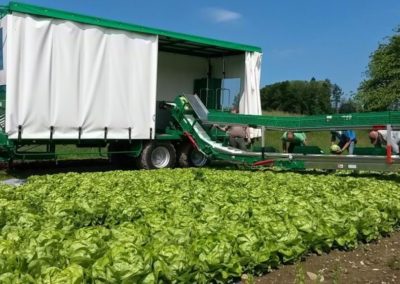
{"x": 307, "y": 150}
{"x": 374, "y": 151}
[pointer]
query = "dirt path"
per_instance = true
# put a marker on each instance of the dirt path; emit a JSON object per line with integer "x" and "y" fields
{"x": 377, "y": 262}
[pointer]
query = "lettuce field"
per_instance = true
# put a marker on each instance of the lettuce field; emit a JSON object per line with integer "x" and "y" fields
{"x": 183, "y": 225}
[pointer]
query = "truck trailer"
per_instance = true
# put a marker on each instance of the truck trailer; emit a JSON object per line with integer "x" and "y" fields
{"x": 74, "y": 79}
{"x": 150, "y": 94}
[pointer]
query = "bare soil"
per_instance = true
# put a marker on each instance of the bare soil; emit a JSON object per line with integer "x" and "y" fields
{"x": 376, "y": 262}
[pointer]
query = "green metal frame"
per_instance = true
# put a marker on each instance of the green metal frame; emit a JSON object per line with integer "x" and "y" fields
{"x": 59, "y": 14}
{"x": 312, "y": 122}
{"x": 11, "y": 149}
{"x": 307, "y": 157}
{"x": 170, "y": 135}
{"x": 181, "y": 108}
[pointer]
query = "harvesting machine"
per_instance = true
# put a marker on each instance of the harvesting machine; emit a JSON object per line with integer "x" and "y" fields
{"x": 151, "y": 94}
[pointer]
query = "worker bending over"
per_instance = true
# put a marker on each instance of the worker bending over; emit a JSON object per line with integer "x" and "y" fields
{"x": 347, "y": 140}
{"x": 293, "y": 139}
{"x": 239, "y": 136}
{"x": 379, "y": 139}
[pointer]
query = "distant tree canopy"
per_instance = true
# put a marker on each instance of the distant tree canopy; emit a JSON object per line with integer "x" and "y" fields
{"x": 348, "y": 105}
{"x": 304, "y": 97}
{"x": 381, "y": 89}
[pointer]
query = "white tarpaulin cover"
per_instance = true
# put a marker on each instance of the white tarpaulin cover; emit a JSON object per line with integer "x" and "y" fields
{"x": 70, "y": 75}
{"x": 250, "y": 102}
{"x": 3, "y": 50}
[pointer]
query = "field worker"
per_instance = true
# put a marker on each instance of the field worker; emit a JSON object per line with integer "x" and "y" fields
{"x": 239, "y": 136}
{"x": 293, "y": 139}
{"x": 379, "y": 139}
{"x": 347, "y": 140}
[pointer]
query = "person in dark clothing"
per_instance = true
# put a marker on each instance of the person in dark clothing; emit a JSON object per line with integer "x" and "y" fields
{"x": 346, "y": 140}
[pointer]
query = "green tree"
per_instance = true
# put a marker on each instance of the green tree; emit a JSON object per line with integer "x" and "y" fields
{"x": 381, "y": 89}
{"x": 347, "y": 106}
{"x": 304, "y": 97}
{"x": 337, "y": 95}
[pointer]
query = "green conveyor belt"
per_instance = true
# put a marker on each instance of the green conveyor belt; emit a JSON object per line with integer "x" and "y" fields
{"x": 190, "y": 114}
{"x": 312, "y": 122}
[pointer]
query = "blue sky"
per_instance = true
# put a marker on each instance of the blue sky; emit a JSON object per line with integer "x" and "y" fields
{"x": 300, "y": 38}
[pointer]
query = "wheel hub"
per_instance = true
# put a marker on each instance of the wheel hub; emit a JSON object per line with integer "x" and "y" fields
{"x": 197, "y": 158}
{"x": 160, "y": 157}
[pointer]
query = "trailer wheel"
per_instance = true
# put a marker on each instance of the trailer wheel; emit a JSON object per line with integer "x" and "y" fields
{"x": 157, "y": 155}
{"x": 188, "y": 156}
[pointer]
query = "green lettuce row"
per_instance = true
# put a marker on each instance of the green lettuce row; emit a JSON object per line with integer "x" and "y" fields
{"x": 197, "y": 225}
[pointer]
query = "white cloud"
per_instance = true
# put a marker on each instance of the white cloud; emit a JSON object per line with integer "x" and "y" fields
{"x": 219, "y": 15}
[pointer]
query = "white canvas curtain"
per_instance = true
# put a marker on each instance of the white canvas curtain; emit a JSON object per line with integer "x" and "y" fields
{"x": 3, "y": 27}
{"x": 70, "y": 75}
{"x": 250, "y": 102}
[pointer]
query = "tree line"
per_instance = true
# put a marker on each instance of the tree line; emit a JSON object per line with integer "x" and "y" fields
{"x": 379, "y": 91}
{"x": 306, "y": 97}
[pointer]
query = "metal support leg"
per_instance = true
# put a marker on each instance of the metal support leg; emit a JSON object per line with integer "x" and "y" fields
{"x": 263, "y": 142}
{"x": 51, "y": 133}
{"x": 389, "y": 146}
{"x": 19, "y": 133}
{"x": 105, "y": 133}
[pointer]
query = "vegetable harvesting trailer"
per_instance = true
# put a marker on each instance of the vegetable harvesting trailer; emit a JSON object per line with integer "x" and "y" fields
{"x": 79, "y": 80}
{"x": 70, "y": 79}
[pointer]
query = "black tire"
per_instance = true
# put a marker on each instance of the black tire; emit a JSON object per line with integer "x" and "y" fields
{"x": 190, "y": 157}
{"x": 157, "y": 155}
